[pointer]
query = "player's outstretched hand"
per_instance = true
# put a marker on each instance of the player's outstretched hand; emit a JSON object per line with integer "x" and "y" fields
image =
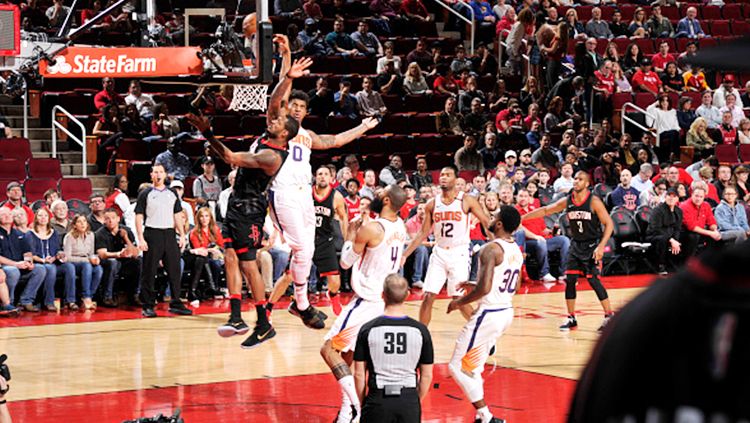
{"x": 283, "y": 42}
{"x": 300, "y": 68}
{"x": 453, "y": 305}
{"x": 200, "y": 123}
{"x": 370, "y": 122}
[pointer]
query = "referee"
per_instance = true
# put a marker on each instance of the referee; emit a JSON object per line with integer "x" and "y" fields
{"x": 390, "y": 349}
{"x": 157, "y": 209}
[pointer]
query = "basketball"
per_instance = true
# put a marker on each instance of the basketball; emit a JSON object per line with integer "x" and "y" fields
{"x": 249, "y": 25}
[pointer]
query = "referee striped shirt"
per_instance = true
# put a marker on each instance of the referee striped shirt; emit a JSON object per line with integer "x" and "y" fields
{"x": 158, "y": 207}
{"x": 393, "y": 348}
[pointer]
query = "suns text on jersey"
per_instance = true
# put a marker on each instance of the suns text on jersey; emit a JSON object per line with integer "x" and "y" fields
{"x": 455, "y": 216}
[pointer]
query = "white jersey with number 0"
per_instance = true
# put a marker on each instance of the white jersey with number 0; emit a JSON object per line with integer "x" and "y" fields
{"x": 369, "y": 273}
{"x": 450, "y": 224}
{"x": 506, "y": 277}
{"x": 296, "y": 171}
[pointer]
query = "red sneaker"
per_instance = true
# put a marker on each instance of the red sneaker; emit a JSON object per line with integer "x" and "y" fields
{"x": 335, "y": 303}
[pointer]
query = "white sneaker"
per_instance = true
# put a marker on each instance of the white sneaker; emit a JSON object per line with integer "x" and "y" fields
{"x": 418, "y": 285}
{"x": 562, "y": 279}
{"x": 548, "y": 278}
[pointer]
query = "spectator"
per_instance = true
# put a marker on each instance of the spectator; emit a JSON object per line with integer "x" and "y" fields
{"x": 97, "y": 205}
{"x": 449, "y": 121}
{"x": 342, "y": 176}
{"x": 420, "y": 55}
{"x": 388, "y": 49}
{"x": 313, "y": 41}
{"x": 467, "y": 157}
{"x": 414, "y": 81}
{"x": 45, "y": 245}
{"x": 57, "y": 13}
{"x": 216, "y": 100}
{"x": 534, "y": 135}
{"x": 415, "y": 10}
{"x": 706, "y": 174}
{"x": 545, "y": 156}
{"x": 176, "y": 163}
{"x": 723, "y": 179}
{"x": 352, "y": 163}
{"x": 460, "y": 61}
{"x": 351, "y": 196}
{"x": 656, "y": 195}
{"x": 164, "y": 125}
{"x": 321, "y": 99}
{"x": 207, "y": 187}
{"x": 638, "y": 26}
{"x": 491, "y": 155}
{"x": 179, "y": 188}
{"x": 695, "y": 80}
{"x": 741, "y": 174}
{"x": 663, "y": 57}
{"x": 17, "y": 264}
{"x": 143, "y": 102}
{"x": 540, "y": 241}
{"x": 618, "y": 28}
{"x": 107, "y": 95}
{"x": 665, "y": 124}
{"x": 743, "y": 131}
{"x": 664, "y": 231}
{"x": 727, "y": 130}
{"x": 626, "y": 155}
{"x": 708, "y": 111}
{"x": 475, "y": 120}
{"x": 341, "y": 42}
{"x": 685, "y": 114}
{"x": 369, "y": 102}
{"x": 625, "y": 195}
{"x": 646, "y": 80}
{"x": 312, "y": 11}
{"x": 642, "y": 180}
{"x": 393, "y": 173}
{"x": 224, "y": 195}
{"x": 745, "y": 98}
{"x": 512, "y": 116}
{"x": 116, "y": 196}
{"x": 422, "y": 177}
{"x": 633, "y": 59}
{"x": 521, "y": 30}
{"x": 689, "y": 26}
{"x": 607, "y": 172}
{"x": 20, "y": 221}
{"x": 731, "y": 217}
{"x": 484, "y": 18}
{"x": 556, "y": 120}
{"x": 576, "y": 30}
{"x": 365, "y": 41}
{"x": 205, "y": 253}
{"x": 59, "y": 219}
{"x": 133, "y": 125}
{"x": 15, "y": 200}
{"x": 50, "y": 196}
{"x": 288, "y": 8}
{"x": 596, "y": 27}
{"x": 698, "y": 221}
{"x": 467, "y": 96}
{"x": 390, "y": 81}
{"x": 732, "y": 107}
{"x": 530, "y": 94}
{"x": 109, "y": 130}
{"x": 78, "y": 247}
{"x": 564, "y": 183}
{"x": 445, "y": 83}
{"x": 658, "y": 25}
{"x": 421, "y": 254}
{"x": 33, "y": 14}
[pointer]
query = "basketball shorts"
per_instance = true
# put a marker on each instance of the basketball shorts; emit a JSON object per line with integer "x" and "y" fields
{"x": 343, "y": 334}
{"x": 293, "y": 213}
{"x": 243, "y": 233}
{"x": 447, "y": 264}
{"x": 581, "y": 258}
{"x": 325, "y": 258}
{"x": 478, "y": 336}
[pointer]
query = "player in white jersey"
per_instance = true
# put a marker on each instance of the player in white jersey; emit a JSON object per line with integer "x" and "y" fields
{"x": 291, "y": 196}
{"x": 500, "y": 264}
{"x": 447, "y": 216}
{"x": 373, "y": 251}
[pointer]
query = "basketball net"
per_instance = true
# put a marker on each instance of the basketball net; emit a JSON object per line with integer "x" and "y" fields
{"x": 249, "y": 97}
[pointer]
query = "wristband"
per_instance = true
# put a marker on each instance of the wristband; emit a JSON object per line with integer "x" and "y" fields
{"x": 348, "y": 256}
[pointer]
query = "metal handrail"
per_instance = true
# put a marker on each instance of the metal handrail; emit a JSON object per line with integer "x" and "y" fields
{"x": 623, "y": 118}
{"x": 57, "y": 125}
{"x": 463, "y": 18}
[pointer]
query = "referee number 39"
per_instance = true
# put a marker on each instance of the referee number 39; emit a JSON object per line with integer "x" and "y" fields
{"x": 395, "y": 343}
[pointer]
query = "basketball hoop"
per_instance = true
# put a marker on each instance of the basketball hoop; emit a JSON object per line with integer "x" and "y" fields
{"x": 249, "y": 97}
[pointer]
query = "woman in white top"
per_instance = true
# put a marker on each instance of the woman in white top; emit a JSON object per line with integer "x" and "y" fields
{"x": 734, "y": 108}
{"x": 414, "y": 81}
{"x": 664, "y": 122}
{"x": 388, "y": 50}
{"x": 78, "y": 246}
{"x": 708, "y": 111}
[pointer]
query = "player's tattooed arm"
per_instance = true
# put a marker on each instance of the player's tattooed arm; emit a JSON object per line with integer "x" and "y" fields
{"x": 326, "y": 142}
{"x": 489, "y": 256}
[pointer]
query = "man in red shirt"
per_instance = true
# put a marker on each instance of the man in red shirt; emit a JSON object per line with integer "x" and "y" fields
{"x": 411, "y": 202}
{"x": 646, "y": 80}
{"x": 698, "y": 221}
{"x": 508, "y": 117}
{"x": 539, "y": 240}
{"x": 108, "y": 95}
{"x": 15, "y": 200}
{"x": 661, "y": 59}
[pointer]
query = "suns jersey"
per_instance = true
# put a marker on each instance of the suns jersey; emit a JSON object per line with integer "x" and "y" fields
{"x": 450, "y": 224}
{"x": 296, "y": 171}
{"x": 506, "y": 277}
{"x": 369, "y": 273}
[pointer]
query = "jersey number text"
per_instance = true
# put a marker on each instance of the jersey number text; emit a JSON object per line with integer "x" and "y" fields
{"x": 395, "y": 343}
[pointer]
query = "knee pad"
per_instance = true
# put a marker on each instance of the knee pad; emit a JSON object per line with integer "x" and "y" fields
{"x": 596, "y": 285}
{"x": 570, "y": 286}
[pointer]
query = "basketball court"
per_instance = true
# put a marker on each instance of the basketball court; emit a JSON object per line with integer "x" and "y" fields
{"x": 109, "y": 366}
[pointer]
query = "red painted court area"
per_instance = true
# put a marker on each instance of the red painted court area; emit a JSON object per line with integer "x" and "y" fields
{"x": 515, "y": 395}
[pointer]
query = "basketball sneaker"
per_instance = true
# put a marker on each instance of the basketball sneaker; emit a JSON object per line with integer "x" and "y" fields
{"x": 260, "y": 335}
{"x": 312, "y": 317}
{"x": 8, "y": 311}
{"x": 493, "y": 420}
{"x": 347, "y": 417}
{"x": 605, "y": 321}
{"x": 233, "y": 327}
{"x": 570, "y": 324}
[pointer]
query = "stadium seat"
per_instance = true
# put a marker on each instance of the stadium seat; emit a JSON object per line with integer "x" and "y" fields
{"x": 710, "y": 13}
{"x": 719, "y": 28}
{"x": 628, "y": 248}
{"x": 646, "y": 45}
{"x": 15, "y": 148}
{"x": 601, "y": 190}
{"x": 44, "y": 168}
{"x": 740, "y": 27}
{"x": 3, "y": 185}
{"x": 38, "y": 204}
{"x": 745, "y": 153}
{"x": 36, "y": 187}
{"x": 694, "y": 96}
{"x": 643, "y": 216}
{"x": 732, "y": 11}
{"x": 726, "y": 153}
{"x": 77, "y": 206}
{"x": 12, "y": 169}
{"x": 71, "y": 188}
{"x": 643, "y": 100}
{"x": 619, "y": 99}
{"x": 670, "y": 12}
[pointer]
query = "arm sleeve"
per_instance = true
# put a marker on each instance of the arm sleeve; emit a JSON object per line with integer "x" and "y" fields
{"x": 428, "y": 354}
{"x": 140, "y": 205}
{"x": 362, "y": 348}
{"x": 177, "y": 202}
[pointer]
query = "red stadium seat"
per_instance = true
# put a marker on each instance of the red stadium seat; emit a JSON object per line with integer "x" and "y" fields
{"x": 695, "y": 96}
{"x": 643, "y": 100}
{"x": 670, "y": 12}
{"x": 670, "y": 42}
{"x": 627, "y": 11}
{"x": 619, "y": 99}
{"x": 646, "y": 45}
{"x": 745, "y": 153}
{"x": 422, "y": 123}
{"x": 719, "y": 28}
{"x": 468, "y": 175}
{"x": 584, "y": 13}
{"x": 710, "y": 13}
{"x": 740, "y": 27}
{"x": 732, "y": 11}
{"x": 12, "y": 169}
{"x": 726, "y": 153}
{"x": 75, "y": 188}
{"x": 44, "y": 168}
{"x": 15, "y": 148}
{"x": 36, "y": 187}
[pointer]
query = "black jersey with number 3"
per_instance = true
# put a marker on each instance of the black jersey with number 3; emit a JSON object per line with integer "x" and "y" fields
{"x": 324, "y": 216}
{"x": 584, "y": 223}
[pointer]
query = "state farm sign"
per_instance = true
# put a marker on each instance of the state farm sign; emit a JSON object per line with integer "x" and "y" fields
{"x": 89, "y": 62}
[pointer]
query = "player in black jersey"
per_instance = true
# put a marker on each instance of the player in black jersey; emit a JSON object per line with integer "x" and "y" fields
{"x": 248, "y": 205}
{"x": 586, "y": 214}
{"x": 329, "y": 208}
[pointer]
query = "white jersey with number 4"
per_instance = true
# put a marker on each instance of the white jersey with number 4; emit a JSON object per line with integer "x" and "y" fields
{"x": 296, "y": 171}
{"x": 368, "y": 274}
{"x": 506, "y": 277}
{"x": 451, "y": 223}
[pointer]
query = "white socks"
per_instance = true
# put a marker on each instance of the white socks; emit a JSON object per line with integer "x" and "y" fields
{"x": 300, "y": 296}
{"x": 349, "y": 393}
{"x": 484, "y": 415}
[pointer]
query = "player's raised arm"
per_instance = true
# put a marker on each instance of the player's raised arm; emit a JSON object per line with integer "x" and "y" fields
{"x": 286, "y": 76}
{"x": 353, "y": 250}
{"x": 339, "y": 207}
{"x": 423, "y": 233}
{"x": 601, "y": 212}
{"x": 286, "y": 63}
{"x": 553, "y": 208}
{"x": 325, "y": 142}
{"x": 489, "y": 256}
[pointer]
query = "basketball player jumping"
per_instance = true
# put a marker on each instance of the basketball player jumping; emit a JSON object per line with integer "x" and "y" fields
{"x": 248, "y": 204}
{"x": 500, "y": 262}
{"x": 586, "y": 213}
{"x": 291, "y": 197}
{"x": 447, "y": 216}
{"x": 376, "y": 248}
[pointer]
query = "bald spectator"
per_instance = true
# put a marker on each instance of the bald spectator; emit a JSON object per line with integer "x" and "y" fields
{"x": 394, "y": 172}
{"x": 689, "y": 26}
{"x": 625, "y": 195}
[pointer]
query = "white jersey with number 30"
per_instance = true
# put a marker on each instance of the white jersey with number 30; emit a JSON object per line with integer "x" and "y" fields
{"x": 296, "y": 171}
{"x": 506, "y": 277}
{"x": 369, "y": 273}
{"x": 450, "y": 224}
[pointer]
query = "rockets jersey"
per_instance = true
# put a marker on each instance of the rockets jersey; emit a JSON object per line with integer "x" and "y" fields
{"x": 450, "y": 223}
{"x": 249, "y": 194}
{"x": 369, "y": 273}
{"x": 505, "y": 278}
{"x": 296, "y": 171}
{"x": 324, "y": 216}
{"x": 584, "y": 223}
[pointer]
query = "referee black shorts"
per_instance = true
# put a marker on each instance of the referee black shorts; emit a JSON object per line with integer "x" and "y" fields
{"x": 243, "y": 233}
{"x": 379, "y": 408}
{"x": 325, "y": 258}
{"x": 581, "y": 258}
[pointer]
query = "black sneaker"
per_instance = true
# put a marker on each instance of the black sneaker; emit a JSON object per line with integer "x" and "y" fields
{"x": 180, "y": 309}
{"x": 494, "y": 420}
{"x": 570, "y": 324}
{"x": 492, "y": 350}
{"x": 233, "y": 327}
{"x": 663, "y": 270}
{"x": 605, "y": 321}
{"x": 259, "y": 335}
{"x": 148, "y": 312}
{"x": 312, "y": 317}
